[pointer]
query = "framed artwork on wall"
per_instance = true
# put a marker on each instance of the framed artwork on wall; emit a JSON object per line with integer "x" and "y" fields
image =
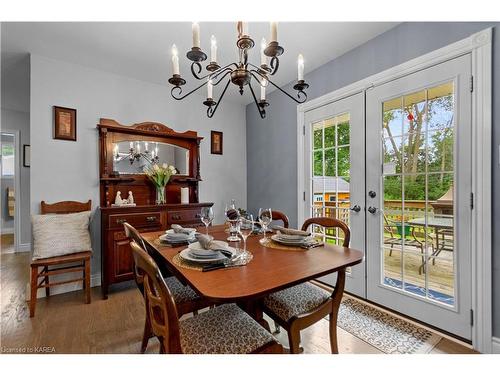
{"x": 64, "y": 123}
{"x": 26, "y": 156}
{"x": 216, "y": 142}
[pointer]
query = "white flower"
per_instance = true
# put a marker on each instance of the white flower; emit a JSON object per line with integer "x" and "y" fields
{"x": 164, "y": 166}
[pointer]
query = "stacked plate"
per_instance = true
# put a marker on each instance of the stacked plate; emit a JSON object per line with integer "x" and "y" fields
{"x": 196, "y": 253}
{"x": 291, "y": 239}
{"x": 172, "y": 237}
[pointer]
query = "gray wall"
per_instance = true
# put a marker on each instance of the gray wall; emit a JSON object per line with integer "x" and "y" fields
{"x": 272, "y": 142}
{"x": 65, "y": 170}
{"x": 15, "y": 116}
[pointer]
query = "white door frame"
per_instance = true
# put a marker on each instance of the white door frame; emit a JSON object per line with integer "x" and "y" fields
{"x": 480, "y": 47}
{"x": 17, "y": 187}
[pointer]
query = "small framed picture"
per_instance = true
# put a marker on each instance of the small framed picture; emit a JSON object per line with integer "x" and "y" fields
{"x": 26, "y": 156}
{"x": 65, "y": 123}
{"x": 216, "y": 142}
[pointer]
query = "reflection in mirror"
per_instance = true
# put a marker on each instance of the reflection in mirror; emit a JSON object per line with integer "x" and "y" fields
{"x": 133, "y": 157}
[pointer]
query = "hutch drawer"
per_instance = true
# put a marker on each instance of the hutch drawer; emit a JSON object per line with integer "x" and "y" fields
{"x": 138, "y": 220}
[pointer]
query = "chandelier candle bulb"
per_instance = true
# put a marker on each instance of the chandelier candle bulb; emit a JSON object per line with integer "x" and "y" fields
{"x": 274, "y": 31}
{"x": 138, "y": 147}
{"x": 146, "y": 145}
{"x": 116, "y": 151}
{"x": 196, "y": 35}
{"x": 209, "y": 89}
{"x": 263, "y": 57}
{"x": 175, "y": 60}
{"x": 131, "y": 145}
{"x": 213, "y": 49}
{"x": 300, "y": 68}
{"x": 263, "y": 90}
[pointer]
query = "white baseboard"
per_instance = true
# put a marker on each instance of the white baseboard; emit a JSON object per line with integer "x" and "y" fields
{"x": 24, "y": 247}
{"x": 95, "y": 280}
{"x": 495, "y": 345}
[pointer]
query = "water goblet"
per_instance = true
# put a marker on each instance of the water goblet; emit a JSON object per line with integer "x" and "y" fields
{"x": 207, "y": 216}
{"x": 245, "y": 229}
{"x": 265, "y": 218}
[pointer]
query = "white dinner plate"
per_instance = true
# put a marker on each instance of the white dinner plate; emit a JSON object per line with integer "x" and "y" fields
{"x": 167, "y": 238}
{"x": 197, "y": 249}
{"x": 291, "y": 237}
{"x": 185, "y": 254}
{"x": 191, "y": 230}
{"x": 277, "y": 239}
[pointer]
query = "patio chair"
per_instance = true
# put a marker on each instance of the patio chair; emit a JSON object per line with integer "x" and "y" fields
{"x": 393, "y": 228}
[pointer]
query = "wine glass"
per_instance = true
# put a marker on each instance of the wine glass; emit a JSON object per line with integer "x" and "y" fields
{"x": 207, "y": 216}
{"x": 232, "y": 216}
{"x": 265, "y": 218}
{"x": 245, "y": 229}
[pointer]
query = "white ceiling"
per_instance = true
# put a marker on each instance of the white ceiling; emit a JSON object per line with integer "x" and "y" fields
{"x": 142, "y": 50}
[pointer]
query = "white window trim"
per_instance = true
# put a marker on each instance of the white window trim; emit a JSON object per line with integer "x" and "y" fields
{"x": 480, "y": 47}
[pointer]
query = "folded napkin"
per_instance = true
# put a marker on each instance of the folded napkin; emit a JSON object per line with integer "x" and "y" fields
{"x": 179, "y": 236}
{"x": 207, "y": 243}
{"x": 291, "y": 232}
{"x": 178, "y": 229}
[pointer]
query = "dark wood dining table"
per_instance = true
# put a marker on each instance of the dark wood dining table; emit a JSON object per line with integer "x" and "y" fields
{"x": 270, "y": 270}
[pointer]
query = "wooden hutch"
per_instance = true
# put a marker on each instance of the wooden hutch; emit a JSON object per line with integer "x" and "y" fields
{"x": 116, "y": 256}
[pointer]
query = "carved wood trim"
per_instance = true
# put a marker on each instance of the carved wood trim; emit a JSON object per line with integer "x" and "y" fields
{"x": 148, "y": 127}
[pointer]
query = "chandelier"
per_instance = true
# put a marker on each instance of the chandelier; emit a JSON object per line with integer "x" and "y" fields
{"x": 135, "y": 153}
{"x": 241, "y": 73}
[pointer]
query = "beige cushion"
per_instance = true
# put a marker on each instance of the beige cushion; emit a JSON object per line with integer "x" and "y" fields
{"x": 225, "y": 329}
{"x": 296, "y": 300}
{"x": 61, "y": 234}
{"x": 181, "y": 293}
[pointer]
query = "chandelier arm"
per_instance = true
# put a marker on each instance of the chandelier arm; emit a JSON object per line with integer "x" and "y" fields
{"x": 228, "y": 71}
{"x": 274, "y": 64}
{"x": 211, "y": 74}
{"x": 262, "y": 111}
{"x": 210, "y": 112}
{"x": 301, "y": 95}
{"x": 179, "y": 89}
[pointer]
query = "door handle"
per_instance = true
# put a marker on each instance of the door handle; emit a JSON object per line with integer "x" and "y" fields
{"x": 151, "y": 219}
{"x": 355, "y": 208}
{"x": 372, "y": 210}
{"x": 372, "y": 194}
{"x": 121, "y": 221}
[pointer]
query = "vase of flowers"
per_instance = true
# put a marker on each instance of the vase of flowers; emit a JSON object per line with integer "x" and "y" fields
{"x": 159, "y": 176}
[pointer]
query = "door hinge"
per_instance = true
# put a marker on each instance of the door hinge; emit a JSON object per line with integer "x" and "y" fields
{"x": 471, "y": 317}
{"x": 303, "y": 129}
{"x": 304, "y": 196}
{"x": 471, "y": 83}
{"x": 472, "y": 201}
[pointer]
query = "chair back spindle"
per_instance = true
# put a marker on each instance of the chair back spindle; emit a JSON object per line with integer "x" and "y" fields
{"x": 160, "y": 303}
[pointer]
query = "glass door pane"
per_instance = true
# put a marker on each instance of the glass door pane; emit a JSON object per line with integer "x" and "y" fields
{"x": 418, "y": 226}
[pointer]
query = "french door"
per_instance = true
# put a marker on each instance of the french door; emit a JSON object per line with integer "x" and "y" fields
{"x": 394, "y": 162}
{"x": 418, "y": 179}
{"x": 334, "y": 169}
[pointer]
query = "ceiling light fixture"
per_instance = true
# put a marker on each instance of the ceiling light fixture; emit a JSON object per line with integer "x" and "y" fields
{"x": 240, "y": 73}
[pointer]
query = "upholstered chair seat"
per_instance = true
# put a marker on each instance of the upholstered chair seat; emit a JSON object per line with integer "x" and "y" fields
{"x": 225, "y": 329}
{"x": 296, "y": 300}
{"x": 181, "y": 293}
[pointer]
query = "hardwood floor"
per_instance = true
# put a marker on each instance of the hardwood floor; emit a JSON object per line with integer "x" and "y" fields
{"x": 64, "y": 324}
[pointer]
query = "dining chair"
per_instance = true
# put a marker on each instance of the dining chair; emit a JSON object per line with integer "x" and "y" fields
{"x": 280, "y": 216}
{"x": 301, "y": 306}
{"x": 186, "y": 299}
{"x": 77, "y": 261}
{"x": 225, "y": 329}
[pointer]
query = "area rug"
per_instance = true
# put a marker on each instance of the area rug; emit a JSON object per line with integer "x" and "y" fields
{"x": 384, "y": 331}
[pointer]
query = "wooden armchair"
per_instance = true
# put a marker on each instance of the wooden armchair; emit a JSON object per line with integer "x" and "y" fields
{"x": 280, "y": 216}
{"x": 82, "y": 259}
{"x": 186, "y": 299}
{"x": 303, "y": 305}
{"x": 226, "y": 329}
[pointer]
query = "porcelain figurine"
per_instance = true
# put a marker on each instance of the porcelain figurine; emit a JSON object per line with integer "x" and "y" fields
{"x": 118, "y": 199}
{"x": 130, "y": 198}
